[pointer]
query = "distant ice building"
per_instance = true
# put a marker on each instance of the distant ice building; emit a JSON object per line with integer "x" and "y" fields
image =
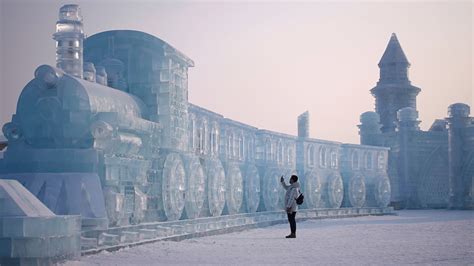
{"x": 427, "y": 169}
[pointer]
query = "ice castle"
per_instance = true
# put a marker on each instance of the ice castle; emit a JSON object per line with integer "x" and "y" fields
{"x": 427, "y": 169}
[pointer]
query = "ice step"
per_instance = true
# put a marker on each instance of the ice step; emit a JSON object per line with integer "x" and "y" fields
{"x": 212, "y": 226}
{"x": 108, "y": 239}
{"x": 148, "y": 233}
{"x": 190, "y": 228}
{"x": 221, "y": 224}
{"x": 178, "y": 229}
{"x": 163, "y": 231}
{"x": 201, "y": 227}
{"x": 129, "y": 237}
{"x": 88, "y": 243}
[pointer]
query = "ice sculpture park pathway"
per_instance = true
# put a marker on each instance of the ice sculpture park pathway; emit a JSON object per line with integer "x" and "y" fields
{"x": 434, "y": 237}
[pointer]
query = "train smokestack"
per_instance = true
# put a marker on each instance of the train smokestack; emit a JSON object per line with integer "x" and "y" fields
{"x": 69, "y": 38}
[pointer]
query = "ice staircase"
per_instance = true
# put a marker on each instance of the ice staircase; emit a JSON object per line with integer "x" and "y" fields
{"x": 30, "y": 233}
{"x": 115, "y": 238}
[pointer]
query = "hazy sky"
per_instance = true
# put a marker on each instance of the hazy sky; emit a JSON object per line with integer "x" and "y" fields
{"x": 264, "y": 63}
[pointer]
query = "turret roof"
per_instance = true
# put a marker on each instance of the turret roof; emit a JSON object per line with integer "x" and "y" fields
{"x": 393, "y": 53}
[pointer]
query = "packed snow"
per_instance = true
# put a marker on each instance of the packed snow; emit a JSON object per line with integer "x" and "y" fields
{"x": 438, "y": 237}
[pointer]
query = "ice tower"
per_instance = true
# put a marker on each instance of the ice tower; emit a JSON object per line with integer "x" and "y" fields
{"x": 427, "y": 169}
{"x": 394, "y": 90}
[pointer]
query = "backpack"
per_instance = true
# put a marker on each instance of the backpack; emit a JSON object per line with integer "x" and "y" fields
{"x": 300, "y": 199}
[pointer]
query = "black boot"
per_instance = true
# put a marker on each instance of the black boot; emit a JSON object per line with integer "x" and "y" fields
{"x": 291, "y": 236}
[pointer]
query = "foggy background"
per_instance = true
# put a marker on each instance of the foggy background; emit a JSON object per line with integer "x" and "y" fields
{"x": 264, "y": 63}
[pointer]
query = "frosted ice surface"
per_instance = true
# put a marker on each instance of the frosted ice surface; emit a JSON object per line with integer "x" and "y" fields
{"x": 18, "y": 201}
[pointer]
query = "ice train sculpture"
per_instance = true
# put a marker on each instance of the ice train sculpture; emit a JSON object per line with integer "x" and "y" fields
{"x": 119, "y": 142}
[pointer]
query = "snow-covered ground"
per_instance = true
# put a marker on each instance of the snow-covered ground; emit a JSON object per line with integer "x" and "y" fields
{"x": 438, "y": 237}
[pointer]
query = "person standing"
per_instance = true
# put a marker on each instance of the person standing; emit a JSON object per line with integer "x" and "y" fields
{"x": 292, "y": 192}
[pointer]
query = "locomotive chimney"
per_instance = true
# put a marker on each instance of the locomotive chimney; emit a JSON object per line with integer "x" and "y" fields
{"x": 69, "y": 37}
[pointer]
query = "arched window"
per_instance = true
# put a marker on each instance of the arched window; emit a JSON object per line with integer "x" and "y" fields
{"x": 334, "y": 161}
{"x": 289, "y": 155}
{"x": 268, "y": 150}
{"x": 192, "y": 132}
{"x": 273, "y": 151}
{"x": 199, "y": 139}
{"x": 204, "y": 138}
{"x": 249, "y": 149}
{"x": 280, "y": 152}
{"x": 381, "y": 161}
{"x": 368, "y": 160}
{"x": 235, "y": 146}
{"x": 216, "y": 139}
{"x": 311, "y": 155}
{"x": 229, "y": 144}
{"x": 323, "y": 156}
{"x": 355, "y": 160}
{"x": 211, "y": 142}
{"x": 241, "y": 147}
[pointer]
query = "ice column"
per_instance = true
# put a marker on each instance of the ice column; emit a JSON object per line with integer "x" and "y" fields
{"x": 369, "y": 128}
{"x": 459, "y": 186}
{"x": 69, "y": 37}
{"x": 303, "y": 125}
{"x": 407, "y": 124}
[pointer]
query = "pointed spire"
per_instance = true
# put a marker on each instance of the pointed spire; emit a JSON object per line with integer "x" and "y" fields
{"x": 393, "y": 53}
